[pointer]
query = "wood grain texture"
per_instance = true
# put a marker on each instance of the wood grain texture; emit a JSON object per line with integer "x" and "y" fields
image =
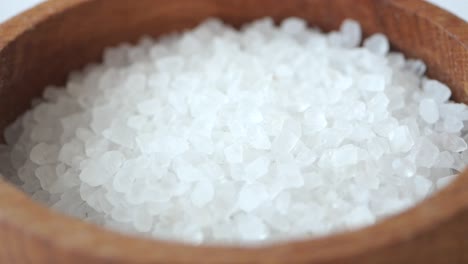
{"x": 43, "y": 45}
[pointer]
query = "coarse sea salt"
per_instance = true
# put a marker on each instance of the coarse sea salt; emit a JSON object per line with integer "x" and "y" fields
{"x": 218, "y": 135}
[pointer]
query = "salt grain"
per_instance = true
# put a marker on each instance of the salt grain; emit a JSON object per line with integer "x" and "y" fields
{"x": 378, "y": 44}
{"x": 429, "y": 111}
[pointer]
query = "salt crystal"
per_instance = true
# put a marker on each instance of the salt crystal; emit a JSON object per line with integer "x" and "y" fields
{"x": 251, "y": 196}
{"x": 404, "y": 167}
{"x": 453, "y": 143}
{"x": 452, "y": 124}
{"x": 70, "y": 151}
{"x": 46, "y": 175}
{"x": 436, "y": 90}
{"x": 359, "y": 216}
{"x": 282, "y": 202}
{"x": 258, "y": 138}
{"x": 314, "y": 120}
{"x": 234, "y": 153}
{"x": 377, "y": 43}
{"x": 373, "y": 83}
{"x": 429, "y": 111}
{"x": 149, "y": 107}
{"x": 257, "y": 168}
{"x": 136, "y": 122}
{"x": 444, "y": 160}
{"x": 293, "y": 26}
{"x": 94, "y": 174}
{"x": 202, "y": 194}
{"x": 422, "y": 186}
{"x": 102, "y": 118}
{"x": 345, "y": 156}
{"x": 201, "y": 144}
{"x": 290, "y": 175}
{"x": 401, "y": 139}
{"x": 112, "y": 161}
{"x": 351, "y": 31}
{"x": 142, "y": 221}
{"x": 285, "y": 141}
{"x": 416, "y": 66}
{"x": 43, "y": 153}
{"x": 186, "y": 172}
{"x": 427, "y": 153}
{"x": 251, "y": 228}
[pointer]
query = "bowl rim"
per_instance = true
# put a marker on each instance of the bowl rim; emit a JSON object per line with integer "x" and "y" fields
{"x": 19, "y": 213}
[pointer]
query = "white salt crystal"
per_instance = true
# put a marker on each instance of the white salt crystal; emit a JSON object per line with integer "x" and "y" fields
{"x": 372, "y": 82}
{"x": 234, "y": 153}
{"x": 377, "y": 147}
{"x": 285, "y": 141}
{"x": 345, "y": 156}
{"x": 102, "y": 118}
{"x": 187, "y": 172}
{"x": 258, "y": 139}
{"x": 436, "y": 90}
{"x": 453, "y": 143}
{"x": 351, "y": 31}
{"x": 454, "y": 110}
{"x": 444, "y": 160}
{"x": 304, "y": 155}
{"x": 418, "y": 67}
{"x": 313, "y": 180}
{"x": 293, "y": 26}
{"x": 84, "y": 134}
{"x": 136, "y": 122}
{"x": 120, "y": 133}
{"x": 112, "y": 161}
{"x": 400, "y": 139}
{"x": 452, "y": 124}
{"x": 70, "y": 151}
{"x": 422, "y": 186}
{"x": 282, "y": 202}
{"x": 41, "y": 133}
{"x": 360, "y": 216}
{"x": 170, "y": 63}
{"x": 200, "y": 144}
{"x": 290, "y": 175}
{"x": 257, "y": 168}
{"x": 427, "y": 153}
{"x": 429, "y": 111}
{"x": 378, "y": 44}
{"x": 202, "y": 193}
{"x": 251, "y": 196}
{"x": 94, "y": 174}
{"x": 396, "y": 59}
{"x": 46, "y": 175}
{"x": 96, "y": 146}
{"x": 43, "y": 153}
{"x": 314, "y": 120}
{"x": 142, "y": 221}
{"x": 404, "y": 167}
{"x": 251, "y": 228}
{"x": 149, "y": 107}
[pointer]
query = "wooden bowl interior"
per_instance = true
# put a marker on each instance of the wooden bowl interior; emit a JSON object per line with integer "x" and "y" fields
{"x": 43, "y": 45}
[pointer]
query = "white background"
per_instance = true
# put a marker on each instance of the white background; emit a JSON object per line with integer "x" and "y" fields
{"x": 9, "y": 8}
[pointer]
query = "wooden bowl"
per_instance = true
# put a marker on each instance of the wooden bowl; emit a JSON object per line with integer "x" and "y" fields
{"x": 42, "y": 45}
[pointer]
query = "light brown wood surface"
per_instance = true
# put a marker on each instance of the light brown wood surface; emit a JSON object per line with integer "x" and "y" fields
{"x": 43, "y": 45}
